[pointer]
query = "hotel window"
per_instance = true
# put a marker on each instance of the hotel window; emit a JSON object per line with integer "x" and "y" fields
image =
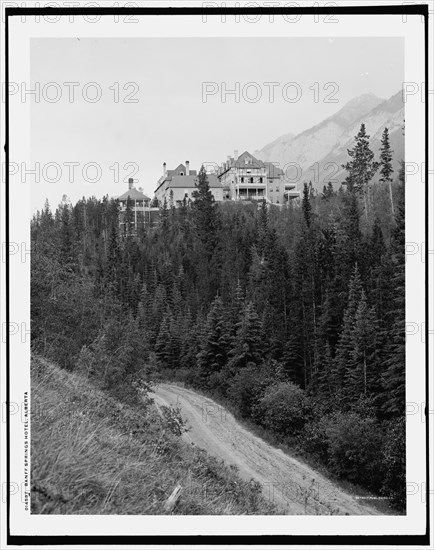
{"x": 251, "y": 180}
{"x": 277, "y": 189}
{"x": 242, "y": 180}
{"x": 260, "y": 180}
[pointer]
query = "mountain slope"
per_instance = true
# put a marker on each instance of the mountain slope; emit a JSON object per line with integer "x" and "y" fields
{"x": 388, "y": 114}
{"x": 315, "y": 143}
{"x": 324, "y": 146}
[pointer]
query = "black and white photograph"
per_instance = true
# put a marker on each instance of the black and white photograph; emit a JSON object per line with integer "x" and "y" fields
{"x": 216, "y": 247}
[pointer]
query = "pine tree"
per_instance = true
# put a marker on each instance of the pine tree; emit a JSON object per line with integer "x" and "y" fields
{"x": 189, "y": 343}
{"x": 205, "y": 214}
{"x": 361, "y": 371}
{"x": 386, "y": 169}
{"x": 129, "y": 219}
{"x": 235, "y": 308}
{"x": 66, "y": 234}
{"x": 262, "y": 228}
{"x": 393, "y": 402}
{"x": 344, "y": 350}
{"x": 248, "y": 343}
{"x": 157, "y": 313}
{"x": 164, "y": 219}
{"x": 325, "y": 372}
{"x": 305, "y": 204}
{"x": 215, "y": 346}
{"x": 328, "y": 192}
{"x": 163, "y": 350}
{"x": 361, "y": 169}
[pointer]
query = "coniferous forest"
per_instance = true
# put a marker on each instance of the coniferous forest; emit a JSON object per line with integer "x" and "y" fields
{"x": 293, "y": 316}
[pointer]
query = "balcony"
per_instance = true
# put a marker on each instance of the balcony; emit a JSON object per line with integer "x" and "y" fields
{"x": 289, "y": 195}
{"x": 251, "y": 193}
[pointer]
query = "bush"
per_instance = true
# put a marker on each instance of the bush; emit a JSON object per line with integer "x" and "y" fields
{"x": 394, "y": 484}
{"x": 173, "y": 420}
{"x": 354, "y": 449}
{"x": 314, "y": 439}
{"x": 116, "y": 357}
{"x": 245, "y": 390}
{"x": 283, "y": 409}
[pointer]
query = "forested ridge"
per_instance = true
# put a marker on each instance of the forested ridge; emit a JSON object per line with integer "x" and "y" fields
{"x": 295, "y": 315}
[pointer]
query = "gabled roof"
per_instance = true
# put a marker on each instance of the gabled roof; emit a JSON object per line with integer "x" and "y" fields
{"x": 178, "y": 169}
{"x": 251, "y": 161}
{"x": 134, "y": 194}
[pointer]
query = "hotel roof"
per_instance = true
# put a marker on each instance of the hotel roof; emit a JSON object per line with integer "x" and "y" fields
{"x": 134, "y": 194}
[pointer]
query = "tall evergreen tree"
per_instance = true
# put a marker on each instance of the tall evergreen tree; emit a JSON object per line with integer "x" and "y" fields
{"x": 361, "y": 169}
{"x": 361, "y": 372}
{"x": 205, "y": 213}
{"x": 386, "y": 168}
{"x": 305, "y": 204}
{"x": 393, "y": 402}
{"x": 344, "y": 350}
{"x": 247, "y": 344}
{"x": 215, "y": 346}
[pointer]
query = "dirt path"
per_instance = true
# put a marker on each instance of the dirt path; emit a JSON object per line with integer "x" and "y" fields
{"x": 292, "y": 485}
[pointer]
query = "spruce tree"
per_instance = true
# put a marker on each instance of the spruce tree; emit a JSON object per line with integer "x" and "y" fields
{"x": 215, "y": 345}
{"x": 386, "y": 169}
{"x": 205, "y": 214}
{"x": 344, "y": 350}
{"x": 361, "y": 169}
{"x": 393, "y": 402}
{"x": 129, "y": 218}
{"x": 305, "y": 204}
{"x": 163, "y": 350}
{"x": 361, "y": 371}
{"x": 248, "y": 344}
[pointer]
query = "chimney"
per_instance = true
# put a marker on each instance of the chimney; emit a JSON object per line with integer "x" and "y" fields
{"x": 130, "y": 183}
{"x": 236, "y": 154}
{"x": 164, "y": 169}
{"x": 187, "y": 167}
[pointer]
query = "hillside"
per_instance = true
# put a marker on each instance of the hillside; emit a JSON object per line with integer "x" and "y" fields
{"x": 327, "y": 142}
{"x": 293, "y": 485}
{"x": 388, "y": 114}
{"x": 94, "y": 455}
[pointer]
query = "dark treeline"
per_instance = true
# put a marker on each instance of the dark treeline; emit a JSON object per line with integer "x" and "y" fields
{"x": 294, "y": 316}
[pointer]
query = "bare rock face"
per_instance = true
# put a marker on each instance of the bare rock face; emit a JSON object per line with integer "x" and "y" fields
{"x": 320, "y": 151}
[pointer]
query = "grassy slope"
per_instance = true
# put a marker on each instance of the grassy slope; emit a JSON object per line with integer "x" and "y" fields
{"x": 94, "y": 455}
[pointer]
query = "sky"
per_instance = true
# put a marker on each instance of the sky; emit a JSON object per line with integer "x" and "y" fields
{"x": 151, "y": 106}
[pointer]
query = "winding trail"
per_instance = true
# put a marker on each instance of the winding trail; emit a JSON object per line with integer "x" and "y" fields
{"x": 294, "y": 487}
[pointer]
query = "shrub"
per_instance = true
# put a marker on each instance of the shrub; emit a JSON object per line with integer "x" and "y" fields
{"x": 354, "y": 449}
{"x": 283, "y": 409}
{"x": 394, "y": 484}
{"x": 246, "y": 388}
{"x": 314, "y": 439}
{"x": 173, "y": 420}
